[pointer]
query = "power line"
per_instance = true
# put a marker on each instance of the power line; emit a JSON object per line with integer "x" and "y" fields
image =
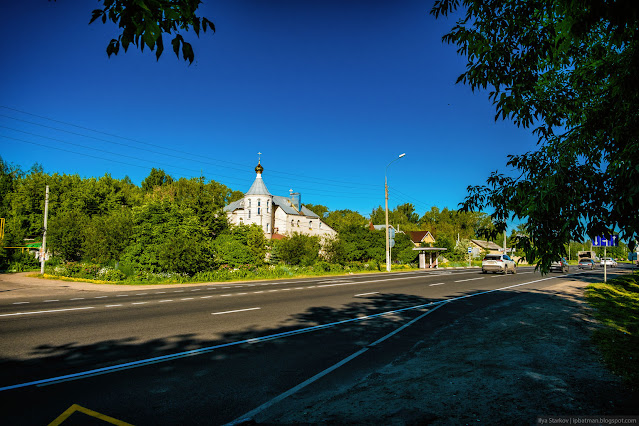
{"x": 199, "y": 157}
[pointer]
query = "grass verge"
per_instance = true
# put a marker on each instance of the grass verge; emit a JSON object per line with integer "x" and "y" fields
{"x": 616, "y": 307}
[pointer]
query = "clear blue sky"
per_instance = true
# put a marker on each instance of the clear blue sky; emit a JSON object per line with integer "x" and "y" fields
{"x": 329, "y": 91}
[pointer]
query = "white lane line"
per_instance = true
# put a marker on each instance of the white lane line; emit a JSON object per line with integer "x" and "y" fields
{"x": 160, "y": 292}
{"x": 121, "y": 295}
{"x": 77, "y": 298}
{"x": 141, "y": 294}
{"x": 51, "y": 300}
{"x": 194, "y": 352}
{"x": 178, "y": 291}
{"x": 241, "y": 293}
{"x": 271, "y": 291}
{"x": 139, "y": 303}
{"x": 46, "y": 312}
{"x": 252, "y": 413}
{"x": 232, "y": 312}
{"x": 261, "y": 291}
{"x": 21, "y": 303}
{"x": 167, "y": 300}
{"x": 469, "y": 279}
{"x": 430, "y": 285}
{"x": 366, "y": 294}
{"x": 112, "y": 306}
{"x": 196, "y": 289}
{"x": 225, "y": 295}
{"x": 100, "y": 297}
{"x": 187, "y": 298}
{"x": 206, "y": 297}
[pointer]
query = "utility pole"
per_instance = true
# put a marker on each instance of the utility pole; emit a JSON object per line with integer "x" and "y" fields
{"x": 43, "y": 249}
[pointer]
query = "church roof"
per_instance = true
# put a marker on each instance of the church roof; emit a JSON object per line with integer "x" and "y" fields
{"x": 233, "y": 206}
{"x": 258, "y": 187}
{"x": 285, "y": 204}
{"x": 308, "y": 212}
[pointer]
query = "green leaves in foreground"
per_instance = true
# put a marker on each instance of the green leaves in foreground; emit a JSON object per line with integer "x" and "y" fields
{"x": 143, "y": 22}
{"x": 616, "y": 305}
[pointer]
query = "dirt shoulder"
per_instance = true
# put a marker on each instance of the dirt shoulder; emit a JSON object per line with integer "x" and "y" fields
{"x": 507, "y": 363}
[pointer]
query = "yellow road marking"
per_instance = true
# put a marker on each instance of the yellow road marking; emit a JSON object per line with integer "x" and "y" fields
{"x": 75, "y": 407}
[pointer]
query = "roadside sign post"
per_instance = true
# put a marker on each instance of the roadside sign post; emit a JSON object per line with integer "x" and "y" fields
{"x": 470, "y": 251}
{"x": 606, "y": 241}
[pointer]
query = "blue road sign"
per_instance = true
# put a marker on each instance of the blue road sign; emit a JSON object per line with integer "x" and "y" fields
{"x": 470, "y": 249}
{"x": 606, "y": 241}
{"x": 632, "y": 256}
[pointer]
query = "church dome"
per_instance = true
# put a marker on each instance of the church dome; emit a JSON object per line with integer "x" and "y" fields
{"x": 259, "y": 169}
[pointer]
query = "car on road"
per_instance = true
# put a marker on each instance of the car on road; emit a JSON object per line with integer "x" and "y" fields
{"x": 587, "y": 264}
{"x": 560, "y": 265}
{"x": 498, "y": 263}
{"x": 609, "y": 262}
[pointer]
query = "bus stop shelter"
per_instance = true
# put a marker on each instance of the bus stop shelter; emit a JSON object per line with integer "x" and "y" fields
{"x": 428, "y": 256}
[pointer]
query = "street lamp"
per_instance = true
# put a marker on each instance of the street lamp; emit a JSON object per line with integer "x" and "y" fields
{"x": 388, "y": 256}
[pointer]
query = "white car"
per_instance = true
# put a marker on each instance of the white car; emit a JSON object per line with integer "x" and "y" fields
{"x": 498, "y": 263}
{"x": 609, "y": 262}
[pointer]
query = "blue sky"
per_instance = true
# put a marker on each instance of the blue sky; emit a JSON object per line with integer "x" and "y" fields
{"x": 328, "y": 91}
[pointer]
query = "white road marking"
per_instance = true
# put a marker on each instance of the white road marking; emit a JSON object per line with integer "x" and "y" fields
{"x": 51, "y": 300}
{"x": 139, "y": 303}
{"x": 141, "y": 294}
{"x": 46, "y": 312}
{"x": 430, "y": 285}
{"x": 226, "y": 295}
{"x": 100, "y": 297}
{"x": 206, "y": 297}
{"x": 469, "y": 279}
{"x": 121, "y": 295}
{"x": 160, "y": 292}
{"x": 366, "y": 294}
{"x": 112, "y": 306}
{"x": 187, "y": 298}
{"x": 77, "y": 298}
{"x": 323, "y": 373}
{"x": 169, "y": 357}
{"x": 19, "y": 303}
{"x": 163, "y": 301}
{"x": 178, "y": 291}
{"x": 232, "y": 312}
{"x": 196, "y": 289}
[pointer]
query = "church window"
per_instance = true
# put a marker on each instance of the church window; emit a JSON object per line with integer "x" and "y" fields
{"x": 310, "y": 224}
{"x": 258, "y": 209}
{"x": 249, "y": 213}
{"x": 267, "y": 227}
{"x": 249, "y": 202}
{"x": 298, "y": 223}
{"x": 259, "y": 202}
{"x": 292, "y": 223}
{"x": 267, "y": 205}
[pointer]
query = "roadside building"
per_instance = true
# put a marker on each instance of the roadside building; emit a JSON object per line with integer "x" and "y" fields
{"x": 276, "y": 215}
{"x": 421, "y": 238}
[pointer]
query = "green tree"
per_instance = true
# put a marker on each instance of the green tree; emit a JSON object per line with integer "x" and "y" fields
{"x": 566, "y": 69}
{"x": 341, "y": 219}
{"x": 241, "y": 245}
{"x": 299, "y": 249}
{"x": 157, "y": 177}
{"x": 65, "y": 234}
{"x": 144, "y": 22}
{"x": 107, "y": 236}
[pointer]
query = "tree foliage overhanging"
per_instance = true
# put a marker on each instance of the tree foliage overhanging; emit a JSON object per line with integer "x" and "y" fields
{"x": 144, "y": 22}
{"x": 567, "y": 69}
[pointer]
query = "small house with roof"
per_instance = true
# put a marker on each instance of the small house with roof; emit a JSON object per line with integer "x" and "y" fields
{"x": 478, "y": 246}
{"x": 421, "y": 237}
{"x": 276, "y": 215}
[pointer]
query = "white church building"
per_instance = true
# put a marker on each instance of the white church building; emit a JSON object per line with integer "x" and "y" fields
{"x": 276, "y": 215}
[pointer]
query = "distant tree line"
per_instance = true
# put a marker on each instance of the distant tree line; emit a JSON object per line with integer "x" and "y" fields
{"x": 179, "y": 226}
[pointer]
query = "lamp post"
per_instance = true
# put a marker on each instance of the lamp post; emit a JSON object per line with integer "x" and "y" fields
{"x": 388, "y": 257}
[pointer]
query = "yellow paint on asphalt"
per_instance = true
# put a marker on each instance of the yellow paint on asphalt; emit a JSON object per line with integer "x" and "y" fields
{"x": 75, "y": 407}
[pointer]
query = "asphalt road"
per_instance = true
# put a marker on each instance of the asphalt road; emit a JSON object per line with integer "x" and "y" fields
{"x": 207, "y": 354}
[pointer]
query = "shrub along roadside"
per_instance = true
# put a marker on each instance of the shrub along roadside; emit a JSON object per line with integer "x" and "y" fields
{"x": 616, "y": 306}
